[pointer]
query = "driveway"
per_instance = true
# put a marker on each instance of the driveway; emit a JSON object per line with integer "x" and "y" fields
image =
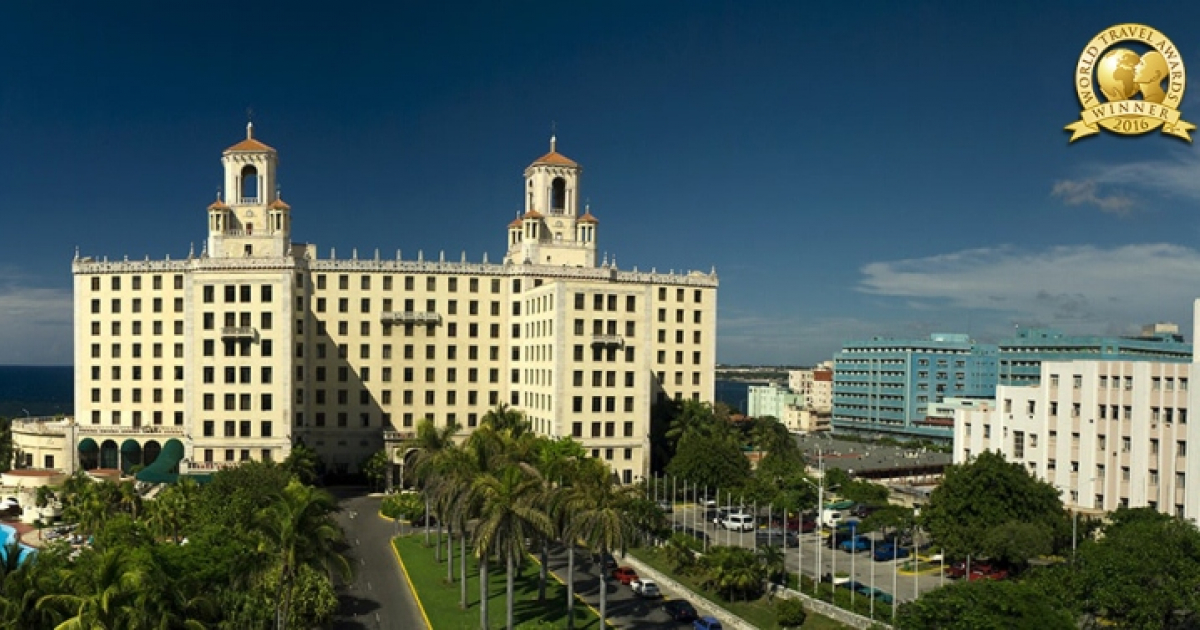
{"x": 625, "y": 610}
{"x": 378, "y": 598}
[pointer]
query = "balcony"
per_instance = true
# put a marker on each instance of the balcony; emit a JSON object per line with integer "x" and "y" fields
{"x": 248, "y": 201}
{"x": 608, "y": 340}
{"x": 411, "y": 317}
{"x": 398, "y": 436}
{"x": 238, "y": 332}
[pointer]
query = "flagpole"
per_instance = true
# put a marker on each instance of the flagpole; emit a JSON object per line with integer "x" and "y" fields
{"x": 873, "y": 579}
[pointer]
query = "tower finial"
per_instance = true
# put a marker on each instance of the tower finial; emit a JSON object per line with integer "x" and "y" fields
{"x": 249, "y": 123}
{"x": 553, "y": 134}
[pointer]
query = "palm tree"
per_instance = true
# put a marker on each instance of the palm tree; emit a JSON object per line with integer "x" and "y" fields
{"x": 430, "y": 442}
{"x": 509, "y": 515}
{"x": 771, "y": 557}
{"x": 103, "y": 596}
{"x": 600, "y": 518}
{"x": 506, "y": 420}
{"x": 296, "y": 528}
{"x": 173, "y": 507}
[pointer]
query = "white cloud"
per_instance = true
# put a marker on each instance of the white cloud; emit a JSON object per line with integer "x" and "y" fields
{"x": 35, "y": 325}
{"x": 1086, "y": 192}
{"x": 1078, "y": 288}
{"x": 1173, "y": 176}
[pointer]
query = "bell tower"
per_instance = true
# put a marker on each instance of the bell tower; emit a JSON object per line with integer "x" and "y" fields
{"x": 251, "y": 221}
{"x": 549, "y": 231}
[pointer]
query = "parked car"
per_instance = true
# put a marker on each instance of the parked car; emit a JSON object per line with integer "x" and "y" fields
{"x": 666, "y": 506}
{"x": 856, "y": 544}
{"x": 889, "y": 551}
{"x": 606, "y": 561}
{"x": 867, "y": 591}
{"x": 624, "y": 575}
{"x": 680, "y": 610}
{"x": 645, "y": 588}
{"x": 420, "y": 520}
{"x": 979, "y": 571}
{"x": 852, "y": 585}
{"x": 777, "y": 537}
{"x": 863, "y": 510}
{"x": 720, "y": 514}
{"x": 707, "y": 623}
{"x": 840, "y": 535}
{"x": 988, "y": 573}
{"x": 739, "y": 522}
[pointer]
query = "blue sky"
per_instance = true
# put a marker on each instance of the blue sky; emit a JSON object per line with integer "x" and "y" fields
{"x": 849, "y": 169}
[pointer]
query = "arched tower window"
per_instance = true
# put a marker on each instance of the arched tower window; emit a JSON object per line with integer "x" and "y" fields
{"x": 558, "y": 194}
{"x": 249, "y": 184}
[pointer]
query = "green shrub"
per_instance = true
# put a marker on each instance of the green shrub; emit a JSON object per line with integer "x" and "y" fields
{"x": 406, "y": 506}
{"x": 790, "y": 613}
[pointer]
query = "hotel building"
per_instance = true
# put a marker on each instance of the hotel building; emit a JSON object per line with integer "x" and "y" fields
{"x": 257, "y": 342}
{"x": 887, "y": 387}
{"x": 1107, "y": 434}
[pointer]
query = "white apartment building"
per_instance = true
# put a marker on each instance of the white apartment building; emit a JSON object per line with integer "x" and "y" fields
{"x": 815, "y": 385}
{"x": 1106, "y": 433}
{"x": 256, "y": 342}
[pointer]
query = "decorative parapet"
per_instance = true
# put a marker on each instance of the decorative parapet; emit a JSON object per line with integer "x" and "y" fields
{"x": 88, "y": 265}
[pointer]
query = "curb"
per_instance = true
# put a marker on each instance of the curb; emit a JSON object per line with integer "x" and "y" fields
{"x": 408, "y": 580}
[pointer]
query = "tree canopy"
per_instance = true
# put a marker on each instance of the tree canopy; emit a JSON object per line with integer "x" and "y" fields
{"x": 985, "y": 605}
{"x": 992, "y": 508}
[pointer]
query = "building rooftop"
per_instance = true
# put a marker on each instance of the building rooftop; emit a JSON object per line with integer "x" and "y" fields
{"x": 872, "y": 461}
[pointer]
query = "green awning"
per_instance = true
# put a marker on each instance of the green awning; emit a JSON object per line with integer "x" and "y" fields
{"x": 88, "y": 445}
{"x": 162, "y": 469}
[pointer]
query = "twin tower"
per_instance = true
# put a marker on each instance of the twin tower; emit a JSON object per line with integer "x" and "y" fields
{"x": 253, "y": 221}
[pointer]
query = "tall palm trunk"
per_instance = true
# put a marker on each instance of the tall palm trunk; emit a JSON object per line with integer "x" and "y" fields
{"x": 426, "y": 520}
{"x": 483, "y": 592}
{"x": 544, "y": 570}
{"x": 510, "y": 590}
{"x": 449, "y": 553}
{"x": 603, "y": 595}
{"x": 571, "y": 586}
{"x": 437, "y": 548}
{"x": 462, "y": 569}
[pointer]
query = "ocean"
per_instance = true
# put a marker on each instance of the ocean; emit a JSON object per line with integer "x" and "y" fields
{"x": 36, "y": 390}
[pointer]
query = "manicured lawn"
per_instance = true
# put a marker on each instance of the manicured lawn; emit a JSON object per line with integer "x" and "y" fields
{"x": 759, "y": 613}
{"x": 440, "y": 600}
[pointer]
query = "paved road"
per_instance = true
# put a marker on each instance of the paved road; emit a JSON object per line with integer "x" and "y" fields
{"x": 625, "y": 610}
{"x": 882, "y": 575}
{"x": 378, "y": 599}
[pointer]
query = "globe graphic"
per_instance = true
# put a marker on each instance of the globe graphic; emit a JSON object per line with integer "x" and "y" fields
{"x": 1115, "y": 73}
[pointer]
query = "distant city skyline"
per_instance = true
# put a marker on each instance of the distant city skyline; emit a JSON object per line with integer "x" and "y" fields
{"x": 889, "y": 169}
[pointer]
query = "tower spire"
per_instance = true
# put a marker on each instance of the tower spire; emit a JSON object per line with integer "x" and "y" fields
{"x": 553, "y": 136}
{"x": 249, "y": 123}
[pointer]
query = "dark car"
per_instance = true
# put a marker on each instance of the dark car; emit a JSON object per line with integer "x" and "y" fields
{"x": 707, "y": 623}
{"x": 863, "y": 510}
{"x": 840, "y": 535}
{"x": 680, "y": 610}
{"x": 606, "y": 561}
{"x": 776, "y": 537}
{"x": 889, "y": 551}
{"x": 420, "y": 520}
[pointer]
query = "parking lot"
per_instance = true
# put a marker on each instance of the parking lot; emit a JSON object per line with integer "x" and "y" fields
{"x": 816, "y": 559}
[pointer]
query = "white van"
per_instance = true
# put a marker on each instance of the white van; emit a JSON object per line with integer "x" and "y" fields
{"x": 831, "y": 518}
{"x": 739, "y": 522}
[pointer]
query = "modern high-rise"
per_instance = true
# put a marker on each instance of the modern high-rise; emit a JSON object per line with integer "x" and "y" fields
{"x": 1022, "y": 354}
{"x": 885, "y": 387}
{"x": 238, "y": 351}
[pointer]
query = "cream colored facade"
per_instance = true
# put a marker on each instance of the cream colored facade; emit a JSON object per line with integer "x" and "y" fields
{"x": 815, "y": 385}
{"x": 1106, "y": 433}
{"x": 257, "y": 342}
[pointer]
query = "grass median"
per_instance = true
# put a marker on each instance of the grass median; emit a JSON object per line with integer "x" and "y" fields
{"x": 440, "y": 600}
{"x": 758, "y": 613}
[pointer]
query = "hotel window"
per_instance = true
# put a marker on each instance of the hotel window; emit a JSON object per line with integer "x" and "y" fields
{"x": 1053, "y": 380}
{"x": 1125, "y": 444}
{"x": 1124, "y": 473}
{"x": 1181, "y": 448}
{"x": 1154, "y": 447}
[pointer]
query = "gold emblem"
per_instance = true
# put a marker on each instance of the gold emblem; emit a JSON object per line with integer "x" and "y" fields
{"x": 1137, "y": 93}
